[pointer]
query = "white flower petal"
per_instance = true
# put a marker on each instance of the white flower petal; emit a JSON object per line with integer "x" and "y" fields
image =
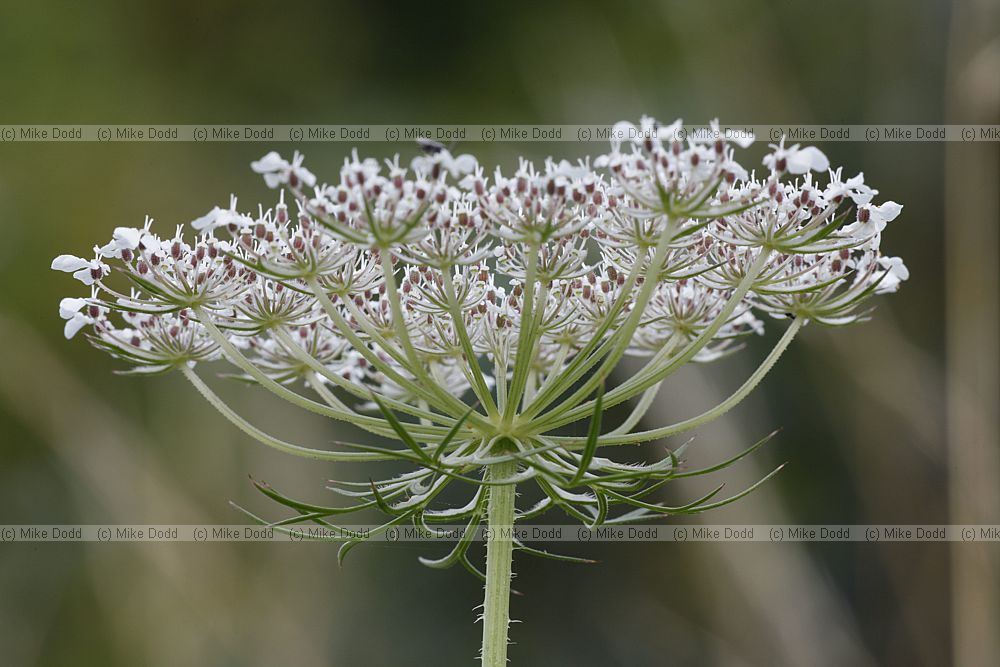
{"x": 84, "y": 275}
{"x": 305, "y": 176}
{"x": 70, "y": 307}
{"x": 207, "y": 221}
{"x": 462, "y": 164}
{"x": 74, "y": 324}
{"x": 741, "y": 139}
{"x": 806, "y": 159}
{"x": 69, "y": 263}
{"x": 127, "y": 237}
{"x": 109, "y": 250}
{"x": 888, "y": 211}
{"x": 269, "y": 163}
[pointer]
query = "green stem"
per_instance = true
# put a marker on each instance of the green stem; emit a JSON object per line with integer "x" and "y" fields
{"x": 499, "y": 553}
{"x": 479, "y": 386}
{"x": 525, "y": 343}
{"x": 619, "y": 344}
{"x": 653, "y": 373}
{"x": 704, "y": 418}
{"x": 371, "y": 424}
{"x": 442, "y": 401}
{"x": 347, "y": 331}
{"x": 270, "y": 441}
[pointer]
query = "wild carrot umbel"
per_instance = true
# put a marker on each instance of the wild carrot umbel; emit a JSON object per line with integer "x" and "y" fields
{"x": 470, "y": 318}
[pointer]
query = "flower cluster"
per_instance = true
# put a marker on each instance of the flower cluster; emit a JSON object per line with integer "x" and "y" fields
{"x": 470, "y": 315}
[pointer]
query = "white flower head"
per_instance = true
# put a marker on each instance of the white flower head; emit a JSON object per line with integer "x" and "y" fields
{"x": 478, "y": 306}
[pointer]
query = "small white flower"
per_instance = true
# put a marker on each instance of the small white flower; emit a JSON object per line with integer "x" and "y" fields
{"x": 795, "y": 160}
{"x": 278, "y": 171}
{"x": 457, "y": 165}
{"x": 219, "y": 217}
{"x": 885, "y": 213}
{"x": 124, "y": 238}
{"x": 896, "y": 273}
{"x": 743, "y": 139}
{"x": 853, "y": 187}
{"x": 873, "y": 219}
{"x": 86, "y": 271}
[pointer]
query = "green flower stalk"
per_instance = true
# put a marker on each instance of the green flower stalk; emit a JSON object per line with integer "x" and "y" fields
{"x": 471, "y": 319}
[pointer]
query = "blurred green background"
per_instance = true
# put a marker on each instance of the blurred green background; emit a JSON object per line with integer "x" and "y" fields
{"x": 865, "y": 411}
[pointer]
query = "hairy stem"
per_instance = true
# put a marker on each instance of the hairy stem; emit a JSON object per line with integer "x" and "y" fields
{"x": 499, "y": 553}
